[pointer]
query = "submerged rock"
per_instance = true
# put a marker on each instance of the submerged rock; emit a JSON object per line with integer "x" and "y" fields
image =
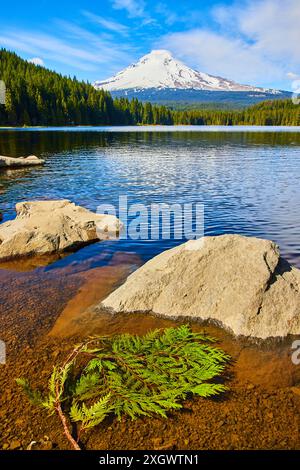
{"x": 9, "y": 162}
{"x": 239, "y": 282}
{"x": 45, "y": 227}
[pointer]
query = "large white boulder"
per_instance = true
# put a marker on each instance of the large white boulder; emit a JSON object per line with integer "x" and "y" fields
{"x": 238, "y": 282}
{"x": 45, "y": 227}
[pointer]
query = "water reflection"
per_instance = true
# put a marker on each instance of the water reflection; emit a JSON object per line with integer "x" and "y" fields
{"x": 248, "y": 181}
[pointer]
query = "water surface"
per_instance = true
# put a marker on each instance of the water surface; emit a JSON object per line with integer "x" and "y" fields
{"x": 247, "y": 178}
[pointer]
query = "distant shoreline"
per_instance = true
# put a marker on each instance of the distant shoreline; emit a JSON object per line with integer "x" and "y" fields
{"x": 157, "y": 128}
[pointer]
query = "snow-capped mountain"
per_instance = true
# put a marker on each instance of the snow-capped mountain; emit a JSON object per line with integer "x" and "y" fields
{"x": 160, "y": 70}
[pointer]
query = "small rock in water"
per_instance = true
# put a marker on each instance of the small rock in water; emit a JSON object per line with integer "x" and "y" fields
{"x": 10, "y": 162}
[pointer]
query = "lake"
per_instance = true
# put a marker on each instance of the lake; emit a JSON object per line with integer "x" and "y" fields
{"x": 247, "y": 178}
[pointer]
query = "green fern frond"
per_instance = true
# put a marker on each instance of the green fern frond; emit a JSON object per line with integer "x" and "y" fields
{"x": 34, "y": 396}
{"x": 134, "y": 376}
{"x": 208, "y": 390}
{"x": 92, "y": 415}
{"x": 86, "y": 387}
{"x": 52, "y": 381}
{"x": 94, "y": 364}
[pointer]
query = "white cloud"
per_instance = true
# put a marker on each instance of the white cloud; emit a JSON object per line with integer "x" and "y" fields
{"x": 134, "y": 8}
{"x": 37, "y": 61}
{"x": 69, "y": 49}
{"x": 257, "y": 43}
{"x": 293, "y": 76}
{"x": 216, "y": 54}
{"x": 50, "y": 47}
{"x": 273, "y": 25}
{"x": 107, "y": 24}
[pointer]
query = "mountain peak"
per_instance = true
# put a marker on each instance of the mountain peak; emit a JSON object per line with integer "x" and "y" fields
{"x": 160, "y": 52}
{"x": 160, "y": 70}
{"x": 157, "y": 57}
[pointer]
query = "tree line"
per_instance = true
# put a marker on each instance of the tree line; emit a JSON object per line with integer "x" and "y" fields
{"x": 36, "y": 96}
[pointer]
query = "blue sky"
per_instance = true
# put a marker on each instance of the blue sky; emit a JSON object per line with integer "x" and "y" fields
{"x": 251, "y": 41}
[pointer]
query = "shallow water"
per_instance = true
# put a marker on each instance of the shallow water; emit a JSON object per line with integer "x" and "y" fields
{"x": 247, "y": 180}
{"x": 264, "y": 363}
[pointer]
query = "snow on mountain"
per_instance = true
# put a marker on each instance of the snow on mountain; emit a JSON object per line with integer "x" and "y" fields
{"x": 160, "y": 70}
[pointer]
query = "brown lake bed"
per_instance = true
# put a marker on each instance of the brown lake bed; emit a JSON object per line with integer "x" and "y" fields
{"x": 43, "y": 315}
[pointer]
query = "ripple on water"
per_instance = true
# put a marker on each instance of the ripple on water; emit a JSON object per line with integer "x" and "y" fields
{"x": 247, "y": 181}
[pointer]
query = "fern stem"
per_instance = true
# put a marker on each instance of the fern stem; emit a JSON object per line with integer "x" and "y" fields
{"x": 58, "y": 407}
{"x": 65, "y": 426}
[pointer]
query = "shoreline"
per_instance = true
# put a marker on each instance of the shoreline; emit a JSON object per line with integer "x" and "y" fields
{"x": 158, "y": 127}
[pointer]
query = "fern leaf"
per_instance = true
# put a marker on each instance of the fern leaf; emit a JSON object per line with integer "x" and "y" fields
{"x": 134, "y": 376}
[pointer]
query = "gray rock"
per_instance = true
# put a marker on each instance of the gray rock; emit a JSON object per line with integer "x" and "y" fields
{"x": 238, "y": 282}
{"x": 47, "y": 227}
{"x": 9, "y": 162}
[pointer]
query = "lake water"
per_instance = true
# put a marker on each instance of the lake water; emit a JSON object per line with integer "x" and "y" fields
{"x": 247, "y": 178}
{"x": 248, "y": 181}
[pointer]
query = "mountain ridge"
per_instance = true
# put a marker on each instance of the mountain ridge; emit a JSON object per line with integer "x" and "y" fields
{"x": 160, "y": 70}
